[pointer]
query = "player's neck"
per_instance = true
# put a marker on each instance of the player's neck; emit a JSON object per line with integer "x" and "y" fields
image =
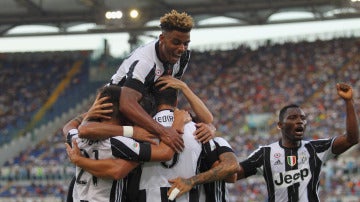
{"x": 290, "y": 144}
{"x": 165, "y": 107}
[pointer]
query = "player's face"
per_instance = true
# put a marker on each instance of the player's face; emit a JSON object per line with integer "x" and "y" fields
{"x": 294, "y": 124}
{"x": 173, "y": 44}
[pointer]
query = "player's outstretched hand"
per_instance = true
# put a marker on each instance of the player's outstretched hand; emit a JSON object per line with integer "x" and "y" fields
{"x": 344, "y": 91}
{"x": 183, "y": 186}
{"x": 204, "y": 132}
{"x": 73, "y": 152}
{"x": 143, "y": 135}
{"x": 173, "y": 139}
{"x": 99, "y": 109}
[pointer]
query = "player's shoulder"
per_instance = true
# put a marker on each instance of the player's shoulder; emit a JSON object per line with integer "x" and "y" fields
{"x": 261, "y": 149}
{"x": 216, "y": 144}
{"x": 222, "y": 141}
{"x": 273, "y": 144}
{"x": 317, "y": 141}
{"x": 145, "y": 51}
{"x": 121, "y": 141}
{"x": 320, "y": 145}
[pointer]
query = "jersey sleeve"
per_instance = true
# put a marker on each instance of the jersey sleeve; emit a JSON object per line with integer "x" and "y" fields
{"x": 184, "y": 61}
{"x": 253, "y": 163}
{"x": 129, "y": 149}
{"x": 212, "y": 150}
{"x": 323, "y": 148}
{"x": 209, "y": 155}
{"x": 222, "y": 146}
{"x": 141, "y": 73}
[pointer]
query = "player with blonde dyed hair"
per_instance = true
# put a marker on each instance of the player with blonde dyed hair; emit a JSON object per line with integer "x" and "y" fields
{"x": 167, "y": 55}
{"x": 176, "y": 21}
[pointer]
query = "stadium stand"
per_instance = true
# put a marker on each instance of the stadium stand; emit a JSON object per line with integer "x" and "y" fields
{"x": 241, "y": 87}
{"x": 32, "y": 82}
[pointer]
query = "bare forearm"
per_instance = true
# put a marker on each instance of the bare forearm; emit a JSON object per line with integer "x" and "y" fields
{"x": 240, "y": 173}
{"x": 161, "y": 152}
{"x": 352, "y": 128}
{"x": 198, "y": 106}
{"x": 231, "y": 178}
{"x": 96, "y": 168}
{"x": 226, "y": 167}
{"x": 181, "y": 117}
{"x": 214, "y": 174}
{"x": 106, "y": 168}
{"x": 178, "y": 126}
{"x": 98, "y": 130}
{"x": 72, "y": 124}
{"x": 138, "y": 115}
{"x": 133, "y": 111}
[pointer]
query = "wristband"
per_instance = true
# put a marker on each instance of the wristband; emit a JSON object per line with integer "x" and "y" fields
{"x": 128, "y": 131}
{"x": 173, "y": 194}
{"x": 73, "y": 132}
{"x": 70, "y": 135}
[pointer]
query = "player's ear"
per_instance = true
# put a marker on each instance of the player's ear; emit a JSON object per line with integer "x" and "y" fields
{"x": 279, "y": 125}
{"x": 161, "y": 37}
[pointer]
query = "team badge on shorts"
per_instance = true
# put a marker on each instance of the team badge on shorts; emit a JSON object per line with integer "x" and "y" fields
{"x": 291, "y": 160}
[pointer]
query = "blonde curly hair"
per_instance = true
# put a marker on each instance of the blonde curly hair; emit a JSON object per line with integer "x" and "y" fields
{"x": 176, "y": 21}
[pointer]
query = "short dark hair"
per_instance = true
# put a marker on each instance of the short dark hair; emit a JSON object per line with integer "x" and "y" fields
{"x": 167, "y": 96}
{"x": 147, "y": 102}
{"x": 284, "y": 109}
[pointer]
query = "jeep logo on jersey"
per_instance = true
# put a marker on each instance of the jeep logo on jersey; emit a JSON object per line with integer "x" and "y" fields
{"x": 291, "y": 177}
{"x": 291, "y": 160}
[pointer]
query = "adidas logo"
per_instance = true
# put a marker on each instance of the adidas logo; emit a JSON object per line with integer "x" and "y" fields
{"x": 278, "y": 162}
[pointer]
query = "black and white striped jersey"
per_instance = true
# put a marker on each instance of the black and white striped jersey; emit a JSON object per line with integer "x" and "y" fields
{"x": 90, "y": 188}
{"x": 214, "y": 191}
{"x": 143, "y": 67}
{"x": 291, "y": 174}
{"x": 155, "y": 175}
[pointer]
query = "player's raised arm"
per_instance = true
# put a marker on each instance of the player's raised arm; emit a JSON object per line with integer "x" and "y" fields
{"x": 351, "y": 136}
{"x": 205, "y": 131}
{"x": 202, "y": 113}
{"x": 70, "y": 128}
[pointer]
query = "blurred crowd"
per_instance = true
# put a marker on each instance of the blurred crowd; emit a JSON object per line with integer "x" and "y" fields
{"x": 234, "y": 84}
{"x": 27, "y": 81}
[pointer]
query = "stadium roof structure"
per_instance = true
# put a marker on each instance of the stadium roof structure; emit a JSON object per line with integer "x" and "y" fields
{"x": 63, "y": 14}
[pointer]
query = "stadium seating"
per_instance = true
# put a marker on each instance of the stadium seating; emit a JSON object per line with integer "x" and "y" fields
{"x": 234, "y": 84}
